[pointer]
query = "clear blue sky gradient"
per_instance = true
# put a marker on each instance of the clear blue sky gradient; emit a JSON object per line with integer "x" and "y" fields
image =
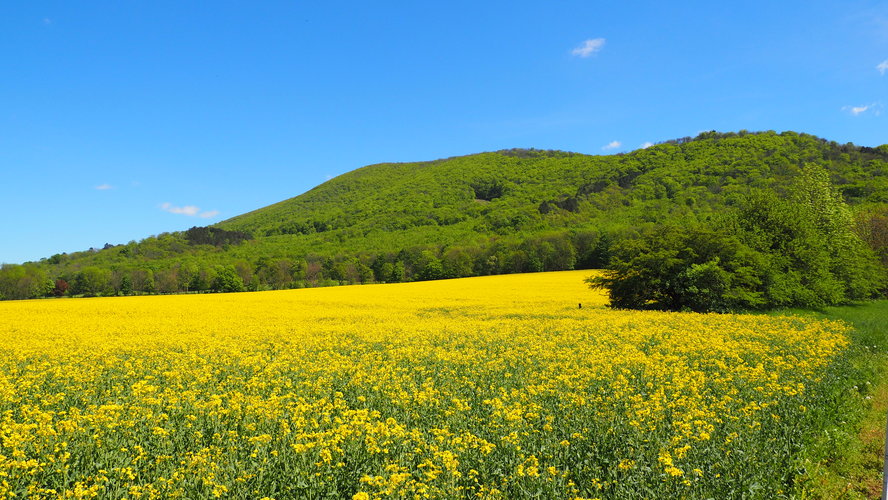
{"x": 226, "y": 107}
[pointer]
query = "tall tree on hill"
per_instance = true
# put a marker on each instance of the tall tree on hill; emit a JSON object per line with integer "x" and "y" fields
{"x": 797, "y": 250}
{"x": 814, "y": 256}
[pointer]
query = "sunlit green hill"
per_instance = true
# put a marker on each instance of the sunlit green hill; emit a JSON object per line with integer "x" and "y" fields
{"x": 497, "y": 212}
{"x": 530, "y": 190}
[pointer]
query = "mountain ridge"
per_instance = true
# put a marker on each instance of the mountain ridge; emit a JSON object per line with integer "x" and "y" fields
{"x": 492, "y": 212}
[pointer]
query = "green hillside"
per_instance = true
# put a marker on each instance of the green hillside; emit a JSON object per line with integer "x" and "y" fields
{"x": 499, "y": 212}
{"x": 538, "y": 190}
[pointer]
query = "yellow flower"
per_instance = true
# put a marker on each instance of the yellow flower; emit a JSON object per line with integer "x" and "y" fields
{"x": 447, "y": 389}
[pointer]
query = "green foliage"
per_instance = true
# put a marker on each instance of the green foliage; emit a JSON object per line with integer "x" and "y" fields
{"x": 126, "y": 285}
{"x": 399, "y": 272}
{"x": 24, "y": 282}
{"x": 814, "y": 257}
{"x": 430, "y": 267}
{"x": 215, "y": 236}
{"x": 672, "y": 268}
{"x": 92, "y": 281}
{"x": 799, "y": 250}
{"x": 502, "y": 212}
{"x": 850, "y": 401}
{"x": 227, "y": 280}
{"x": 487, "y": 189}
{"x": 871, "y": 224}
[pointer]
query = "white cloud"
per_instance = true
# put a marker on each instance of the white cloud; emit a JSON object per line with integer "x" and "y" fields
{"x": 874, "y": 108}
{"x": 882, "y": 67}
{"x": 104, "y": 187}
{"x": 612, "y": 145}
{"x": 189, "y": 210}
{"x": 646, "y": 144}
{"x": 588, "y": 47}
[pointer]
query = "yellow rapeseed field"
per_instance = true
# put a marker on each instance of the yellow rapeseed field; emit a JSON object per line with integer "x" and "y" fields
{"x": 492, "y": 387}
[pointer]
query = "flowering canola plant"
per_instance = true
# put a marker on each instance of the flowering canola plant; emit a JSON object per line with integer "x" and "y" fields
{"x": 490, "y": 387}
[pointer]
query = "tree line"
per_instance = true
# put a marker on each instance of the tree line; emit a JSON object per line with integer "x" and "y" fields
{"x": 801, "y": 248}
{"x": 556, "y": 251}
{"x": 511, "y": 211}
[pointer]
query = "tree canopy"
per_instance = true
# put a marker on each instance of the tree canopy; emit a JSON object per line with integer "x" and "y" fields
{"x": 517, "y": 210}
{"x": 795, "y": 250}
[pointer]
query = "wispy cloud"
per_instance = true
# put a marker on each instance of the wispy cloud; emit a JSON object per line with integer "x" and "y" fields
{"x": 612, "y": 145}
{"x": 882, "y": 67}
{"x": 104, "y": 187}
{"x": 589, "y": 47}
{"x": 646, "y": 144}
{"x": 189, "y": 210}
{"x": 186, "y": 210}
{"x": 874, "y": 108}
{"x": 47, "y": 21}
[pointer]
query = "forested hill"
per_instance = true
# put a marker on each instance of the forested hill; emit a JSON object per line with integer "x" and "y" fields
{"x": 530, "y": 189}
{"x": 506, "y": 211}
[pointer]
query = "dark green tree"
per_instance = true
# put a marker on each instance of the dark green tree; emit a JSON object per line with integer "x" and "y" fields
{"x": 399, "y": 272}
{"x": 24, "y": 282}
{"x": 679, "y": 268}
{"x": 796, "y": 250}
{"x": 92, "y": 281}
{"x": 458, "y": 262}
{"x": 227, "y": 280}
{"x": 430, "y": 267}
{"x": 126, "y": 285}
{"x": 813, "y": 256}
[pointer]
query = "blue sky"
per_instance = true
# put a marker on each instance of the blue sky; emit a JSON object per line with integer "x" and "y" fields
{"x": 119, "y": 120}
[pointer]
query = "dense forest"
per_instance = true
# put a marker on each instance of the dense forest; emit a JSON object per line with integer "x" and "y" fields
{"x": 800, "y": 248}
{"x": 519, "y": 210}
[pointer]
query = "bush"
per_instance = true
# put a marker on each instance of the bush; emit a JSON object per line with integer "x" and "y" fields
{"x": 794, "y": 251}
{"x": 673, "y": 268}
{"x": 227, "y": 280}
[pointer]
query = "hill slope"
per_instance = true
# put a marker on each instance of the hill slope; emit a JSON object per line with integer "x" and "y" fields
{"x": 528, "y": 190}
{"x": 506, "y": 211}
{"x": 460, "y": 201}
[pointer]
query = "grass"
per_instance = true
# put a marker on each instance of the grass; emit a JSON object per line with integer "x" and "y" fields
{"x": 847, "y": 461}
